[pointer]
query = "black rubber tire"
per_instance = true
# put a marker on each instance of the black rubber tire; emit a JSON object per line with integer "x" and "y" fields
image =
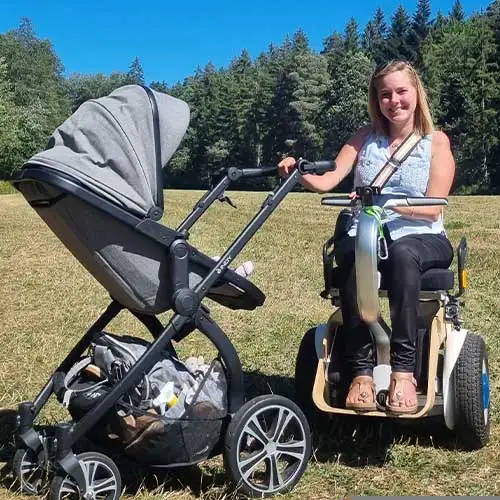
{"x": 62, "y": 479}
{"x": 35, "y": 484}
{"x": 472, "y": 426}
{"x": 238, "y": 442}
{"x": 306, "y": 365}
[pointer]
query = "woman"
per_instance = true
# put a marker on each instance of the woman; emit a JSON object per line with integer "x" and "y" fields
{"x": 397, "y": 105}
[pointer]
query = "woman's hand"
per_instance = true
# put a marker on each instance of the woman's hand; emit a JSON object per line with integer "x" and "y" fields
{"x": 286, "y": 166}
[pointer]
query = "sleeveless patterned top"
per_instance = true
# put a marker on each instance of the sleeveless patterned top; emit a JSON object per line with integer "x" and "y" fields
{"x": 410, "y": 180}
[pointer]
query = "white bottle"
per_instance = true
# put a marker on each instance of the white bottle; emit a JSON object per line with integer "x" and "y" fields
{"x": 166, "y": 398}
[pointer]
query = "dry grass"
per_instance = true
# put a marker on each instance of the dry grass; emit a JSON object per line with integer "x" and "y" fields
{"x": 48, "y": 300}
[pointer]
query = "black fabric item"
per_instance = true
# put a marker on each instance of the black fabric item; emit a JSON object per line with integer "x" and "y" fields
{"x": 409, "y": 258}
{"x": 86, "y": 395}
{"x": 432, "y": 279}
{"x": 342, "y": 224}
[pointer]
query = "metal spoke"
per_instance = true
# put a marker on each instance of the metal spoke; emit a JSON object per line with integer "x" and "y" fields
{"x": 255, "y": 430}
{"x": 295, "y": 449}
{"x": 28, "y": 467}
{"x": 108, "y": 484}
{"x": 275, "y": 479}
{"x": 69, "y": 487}
{"x": 248, "y": 465}
{"x": 91, "y": 468}
{"x": 284, "y": 417}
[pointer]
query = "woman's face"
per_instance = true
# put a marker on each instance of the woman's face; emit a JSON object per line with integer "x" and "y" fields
{"x": 397, "y": 97}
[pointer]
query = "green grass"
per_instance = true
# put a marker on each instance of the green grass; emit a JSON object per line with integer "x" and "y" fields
{"x": 48, "y": 300}
{"x": 6, "y": 188}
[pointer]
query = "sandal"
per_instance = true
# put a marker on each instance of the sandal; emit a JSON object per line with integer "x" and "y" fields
{"x": 362, "y": 390}
{"x": 402, "y": 390}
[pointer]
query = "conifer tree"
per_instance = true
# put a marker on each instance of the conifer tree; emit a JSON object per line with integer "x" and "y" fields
{"x": 397, "y": 45}
{"x": 457, "y": 12}
{"x": 135, "y": 73}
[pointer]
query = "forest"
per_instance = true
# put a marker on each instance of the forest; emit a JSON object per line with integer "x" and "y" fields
{"x": 290, "y": 99}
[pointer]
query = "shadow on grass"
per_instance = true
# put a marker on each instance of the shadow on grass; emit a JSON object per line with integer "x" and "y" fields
{"x": 356, "y": 441}
{"x": 353, "y": 441}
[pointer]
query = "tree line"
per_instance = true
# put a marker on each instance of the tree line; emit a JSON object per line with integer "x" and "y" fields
{"x": 290, "y": 99}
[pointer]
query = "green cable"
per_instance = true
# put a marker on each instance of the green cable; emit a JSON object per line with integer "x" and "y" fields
{"x": 376, "y": 212}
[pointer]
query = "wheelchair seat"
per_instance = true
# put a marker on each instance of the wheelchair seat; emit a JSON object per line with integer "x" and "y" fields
{"x": 432, "y": 280}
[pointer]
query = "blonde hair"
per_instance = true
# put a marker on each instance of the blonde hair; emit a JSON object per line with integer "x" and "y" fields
{"x": 423, "y": 119}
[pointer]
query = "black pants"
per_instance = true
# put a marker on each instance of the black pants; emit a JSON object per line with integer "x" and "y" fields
{"x": 409, "y": 257}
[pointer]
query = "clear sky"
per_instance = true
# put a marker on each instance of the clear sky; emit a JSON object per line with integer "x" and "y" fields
{"x": 171, "y": 41}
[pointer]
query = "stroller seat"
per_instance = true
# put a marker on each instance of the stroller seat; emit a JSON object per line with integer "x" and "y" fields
{"x": 132, "y": 266}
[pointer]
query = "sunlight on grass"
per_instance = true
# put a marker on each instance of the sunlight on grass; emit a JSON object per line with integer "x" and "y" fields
{"x": 48, "y": 301}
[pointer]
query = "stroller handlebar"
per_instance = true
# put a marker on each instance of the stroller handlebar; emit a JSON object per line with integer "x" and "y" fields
{"x": 315, "y": 167}
{"x": 303, "y": 166}
{"x": 235, "y": 173}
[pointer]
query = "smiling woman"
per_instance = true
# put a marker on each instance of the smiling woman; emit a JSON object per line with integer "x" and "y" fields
{"x": 415, "y": 236}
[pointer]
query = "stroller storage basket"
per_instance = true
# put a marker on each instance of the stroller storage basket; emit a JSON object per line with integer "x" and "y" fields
{"x": 188, "y": 439}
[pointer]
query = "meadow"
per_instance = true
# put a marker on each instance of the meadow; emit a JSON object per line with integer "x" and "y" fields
{"x": 48, "y": 300}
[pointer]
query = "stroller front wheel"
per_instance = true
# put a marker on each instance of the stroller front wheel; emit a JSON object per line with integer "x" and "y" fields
{"x": 267, "y": 446}
{"x": 101, "y": 475}
{"x": 30, "y": 471}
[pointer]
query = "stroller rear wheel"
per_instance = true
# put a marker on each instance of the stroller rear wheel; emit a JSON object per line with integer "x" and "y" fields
{"x": 31, "y": 471}
{"x": 101, "y": 475}
{"x": 267, "y": 446}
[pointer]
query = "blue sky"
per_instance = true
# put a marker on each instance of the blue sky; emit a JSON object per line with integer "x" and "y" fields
{"x": 93, "y": 36}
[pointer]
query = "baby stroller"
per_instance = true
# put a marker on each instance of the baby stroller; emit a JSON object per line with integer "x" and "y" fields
{"x": 99, "y": 187}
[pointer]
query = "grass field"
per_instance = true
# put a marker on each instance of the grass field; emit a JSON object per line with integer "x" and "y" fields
{"x": 48, "y": 300}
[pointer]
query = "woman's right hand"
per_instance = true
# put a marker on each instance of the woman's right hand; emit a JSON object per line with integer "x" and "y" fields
{"x": 286, "y": 166}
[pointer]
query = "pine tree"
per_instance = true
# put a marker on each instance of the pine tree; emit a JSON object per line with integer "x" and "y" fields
{"x": 419, "y": 28}
{"x": 457, "y": 12}
{"x": 135, "y": 75}
{"x": 397, "y": 46}
{"x": 373, "y": 39}
{"x": 439, "y": 22}
{"x": 351, "y": 36}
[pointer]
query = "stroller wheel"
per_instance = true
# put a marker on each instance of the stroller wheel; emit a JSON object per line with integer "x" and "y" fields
{"x": 31, "y": 471}
{"x": 101, "y": 475}
{"x": 267, "y": 446}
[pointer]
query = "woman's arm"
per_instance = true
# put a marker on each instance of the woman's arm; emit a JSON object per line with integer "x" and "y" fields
{"x": 441, "y": 176}
{"x": 344, "y": 161}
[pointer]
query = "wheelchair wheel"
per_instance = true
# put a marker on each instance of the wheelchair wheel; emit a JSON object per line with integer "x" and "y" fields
{"x": 30, "y": 470}
{"x": 267, "y": 446}
{"x": 472, "y": 393}
{"x": 102, "y": 477}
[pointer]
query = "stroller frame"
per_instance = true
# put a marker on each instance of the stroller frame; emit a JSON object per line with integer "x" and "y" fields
{"x": 189, "y": 312}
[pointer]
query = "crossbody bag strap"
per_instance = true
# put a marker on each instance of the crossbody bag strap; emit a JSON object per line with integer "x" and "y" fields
{"x": 394, "y": 162}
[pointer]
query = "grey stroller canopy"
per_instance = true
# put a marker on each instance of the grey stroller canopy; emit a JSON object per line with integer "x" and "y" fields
{"x": 110, "y": 145}
{"x": 99, "y": 187}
